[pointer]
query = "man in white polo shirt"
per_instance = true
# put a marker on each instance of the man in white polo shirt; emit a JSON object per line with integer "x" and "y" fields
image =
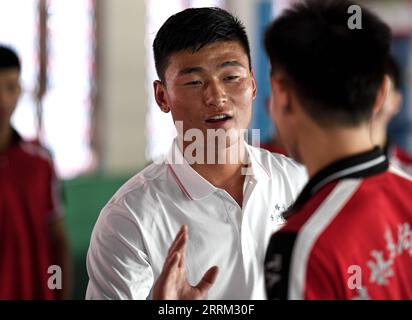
{"x": 229, "y": 208}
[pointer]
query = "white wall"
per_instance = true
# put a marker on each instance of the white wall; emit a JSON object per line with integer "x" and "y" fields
{"x": 122, "y": 96}
{"x": 245, "y": 10}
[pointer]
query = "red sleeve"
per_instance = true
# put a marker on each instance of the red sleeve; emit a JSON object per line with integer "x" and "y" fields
{"x": 54, "y": 193}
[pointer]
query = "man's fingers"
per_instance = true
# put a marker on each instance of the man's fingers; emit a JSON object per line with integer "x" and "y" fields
{"x": 176, "y": 239}
{"x": 164, "y": 287}
{"x": 182, "y": 261}
{"x": 179, "y": 235}
{"x": 208, "y": 280}
{"x": 173, "y": 245}
{"x": 170, "y": 267}
{"x": 178, "y": 246}
{"x": 170, "y": 259}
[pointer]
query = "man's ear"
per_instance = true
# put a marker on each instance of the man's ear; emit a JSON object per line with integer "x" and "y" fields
{"x": 280, "y": 95}
{"x": 382, "y": 95}
{"x": 254, "y": 86}
{"x": 161, "y": 96}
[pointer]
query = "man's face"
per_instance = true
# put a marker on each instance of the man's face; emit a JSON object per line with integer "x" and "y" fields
{"x": 9, "y": 94}
{"x": 212, "y": 88}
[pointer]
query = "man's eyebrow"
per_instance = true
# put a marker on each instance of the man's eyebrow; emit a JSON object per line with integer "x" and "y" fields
{"x": 190, "y": 70}
{"x": 231, "y": 63}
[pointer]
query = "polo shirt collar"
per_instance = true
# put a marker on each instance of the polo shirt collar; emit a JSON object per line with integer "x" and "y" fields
{"x": 361, "y": 165}
{"x": 194, "y": 185}
{"x": 257, "y": 170}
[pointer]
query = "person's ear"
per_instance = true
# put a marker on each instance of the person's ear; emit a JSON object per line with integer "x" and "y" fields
{"x": 382, "y": 95}
{"x": 160, "y": 94}
{"x": 254, "y": 86}
{"x": 280, "y": 96}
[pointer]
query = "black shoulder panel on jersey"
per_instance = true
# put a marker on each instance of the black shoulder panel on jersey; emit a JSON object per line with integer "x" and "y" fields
{"x": 277, "y": 265}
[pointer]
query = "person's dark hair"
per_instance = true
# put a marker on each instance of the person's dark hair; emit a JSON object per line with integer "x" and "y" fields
{"x": 194, "y": 28}
{"x": 334, "y": 70}
{"x": 9, "y": 58}
{"x": 394, "y": 72}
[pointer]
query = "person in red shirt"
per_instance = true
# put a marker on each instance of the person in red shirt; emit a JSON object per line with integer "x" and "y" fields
{"x": 34, "y": 257}
{"x": 349, "y": 233}
{"x": 398, "y": 157}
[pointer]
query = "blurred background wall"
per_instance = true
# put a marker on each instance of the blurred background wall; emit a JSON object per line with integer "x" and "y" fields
{"x": 122, "y": 85}
{"x": 87, "y": 77}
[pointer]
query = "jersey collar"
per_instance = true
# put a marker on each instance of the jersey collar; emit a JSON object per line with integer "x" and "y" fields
{"x": 361, "y": 165}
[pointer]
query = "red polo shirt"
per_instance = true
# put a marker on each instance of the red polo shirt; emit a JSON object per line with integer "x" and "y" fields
{"x": 27, "y": 207}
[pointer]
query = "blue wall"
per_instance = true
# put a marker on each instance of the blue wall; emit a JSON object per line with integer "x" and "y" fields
{"x": 400, "y": 129}
{"x": 261, "y": 119}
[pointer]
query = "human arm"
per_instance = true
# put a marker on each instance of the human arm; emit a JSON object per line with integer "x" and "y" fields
{"x": 117, "y": 261}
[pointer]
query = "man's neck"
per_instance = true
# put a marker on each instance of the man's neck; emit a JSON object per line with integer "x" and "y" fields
{"x": 322, "y": 148}
{"x": 379, "y": 133}
{"x": 5, "y": 137}
{"x": 225, "y": 172}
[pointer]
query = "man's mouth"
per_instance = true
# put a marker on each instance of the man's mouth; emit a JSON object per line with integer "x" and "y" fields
{"x": 218, "y": 118}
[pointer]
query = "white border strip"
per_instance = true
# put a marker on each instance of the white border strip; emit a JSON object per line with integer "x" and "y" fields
{"x": 310, "y": 232}
{"x": 350, "y": 170}
{"x": 393, "y": 168}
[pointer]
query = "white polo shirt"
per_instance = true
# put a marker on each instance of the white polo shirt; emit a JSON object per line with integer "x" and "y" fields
{"x": 133, "y": 233}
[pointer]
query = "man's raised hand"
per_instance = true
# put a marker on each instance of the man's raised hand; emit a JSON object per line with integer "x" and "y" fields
{"x": 172, "y": 283}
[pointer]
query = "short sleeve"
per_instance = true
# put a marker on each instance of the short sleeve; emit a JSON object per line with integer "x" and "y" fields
{"x": 117, "y": 262}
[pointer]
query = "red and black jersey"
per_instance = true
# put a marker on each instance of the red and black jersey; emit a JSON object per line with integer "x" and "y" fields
{"x": 348, "y": 236}
{"x": 401, "y": 159}
{"x": 28, "y": 204}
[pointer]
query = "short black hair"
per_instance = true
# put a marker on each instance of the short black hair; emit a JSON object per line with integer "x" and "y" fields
{"x": 394, "y": 72}
{"x": 9, "y": 58}
{"x": 335, "y": 71}
{"x": 194, "y": 28}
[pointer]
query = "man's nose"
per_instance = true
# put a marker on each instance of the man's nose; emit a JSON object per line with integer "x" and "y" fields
{"x": 215, "y": 95}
